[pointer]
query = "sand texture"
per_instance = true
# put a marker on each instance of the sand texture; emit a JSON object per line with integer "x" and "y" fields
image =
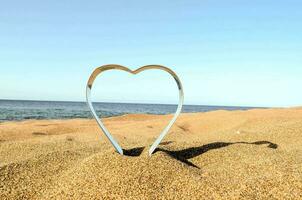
{"x": 255, "y": 154}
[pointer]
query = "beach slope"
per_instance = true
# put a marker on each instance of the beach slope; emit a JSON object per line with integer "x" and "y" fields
{"x": 216, "y": 155}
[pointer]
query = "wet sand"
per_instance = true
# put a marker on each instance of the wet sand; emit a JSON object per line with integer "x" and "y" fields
{"x": 255, "y": 154}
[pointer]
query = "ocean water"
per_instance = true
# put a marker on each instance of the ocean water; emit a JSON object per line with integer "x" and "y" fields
{"x": 16, "y": 110}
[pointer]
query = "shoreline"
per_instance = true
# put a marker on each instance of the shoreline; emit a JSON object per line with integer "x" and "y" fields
{"x": 89, "y": 118}
{"x": 27, "y": 110}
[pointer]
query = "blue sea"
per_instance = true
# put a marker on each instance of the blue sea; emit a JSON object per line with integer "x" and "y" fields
{"x": 17, "y": 110}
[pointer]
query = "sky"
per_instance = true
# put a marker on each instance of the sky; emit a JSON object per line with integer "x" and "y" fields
{"x": 232, "y": 53}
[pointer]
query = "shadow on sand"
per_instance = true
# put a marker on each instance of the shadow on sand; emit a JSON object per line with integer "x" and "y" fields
{"x": 135, "y": 152}
{"x": 186, "y": 154}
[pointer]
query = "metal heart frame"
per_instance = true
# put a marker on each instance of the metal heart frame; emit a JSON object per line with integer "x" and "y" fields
{"x": 103, "y": 68}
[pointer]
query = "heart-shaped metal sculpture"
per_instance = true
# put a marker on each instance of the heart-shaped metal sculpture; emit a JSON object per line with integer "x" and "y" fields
{"x": 103, "y": 68}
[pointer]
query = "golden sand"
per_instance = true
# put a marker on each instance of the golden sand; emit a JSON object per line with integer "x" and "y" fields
{"x": 255, "y": 154}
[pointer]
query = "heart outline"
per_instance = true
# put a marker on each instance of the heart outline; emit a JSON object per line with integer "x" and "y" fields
{"x": 104, "y": 68}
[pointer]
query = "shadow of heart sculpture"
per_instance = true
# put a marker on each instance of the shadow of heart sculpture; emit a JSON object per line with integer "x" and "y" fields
{"x": 103, "y": 68}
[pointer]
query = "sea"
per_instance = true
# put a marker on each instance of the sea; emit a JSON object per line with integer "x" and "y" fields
{"x": 18, "y": 110}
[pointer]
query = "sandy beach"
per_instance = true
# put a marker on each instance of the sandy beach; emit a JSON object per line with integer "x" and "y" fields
{"x": 254, "y": 154}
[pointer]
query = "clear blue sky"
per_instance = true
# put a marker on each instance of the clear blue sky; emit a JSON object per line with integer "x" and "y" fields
{"x": 234, "y": 52}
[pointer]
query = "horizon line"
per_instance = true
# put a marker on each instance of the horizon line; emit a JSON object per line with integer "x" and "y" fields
{"x": 76, "y": 101}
